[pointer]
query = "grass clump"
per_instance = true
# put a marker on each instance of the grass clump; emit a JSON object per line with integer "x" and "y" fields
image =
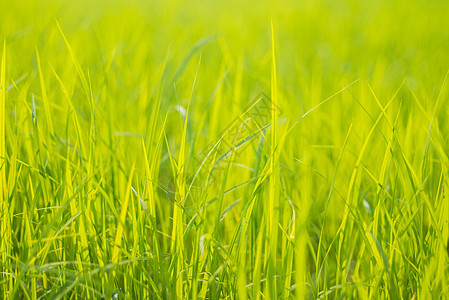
{"x": 223, "y": 150}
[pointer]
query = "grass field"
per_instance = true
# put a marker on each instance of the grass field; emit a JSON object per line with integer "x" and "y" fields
{"x": 224, "y": 149}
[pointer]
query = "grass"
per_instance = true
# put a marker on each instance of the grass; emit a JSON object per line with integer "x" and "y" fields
{"x": 232, "y": 150}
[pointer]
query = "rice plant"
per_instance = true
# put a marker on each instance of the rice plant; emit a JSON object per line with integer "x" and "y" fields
{"x": 224, "y": 149}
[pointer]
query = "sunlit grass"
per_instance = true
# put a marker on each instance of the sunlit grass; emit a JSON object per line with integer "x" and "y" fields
{"x": 235, "y": 150}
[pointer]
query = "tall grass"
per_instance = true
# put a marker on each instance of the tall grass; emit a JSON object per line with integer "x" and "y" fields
{"x": 234, "y": 150}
